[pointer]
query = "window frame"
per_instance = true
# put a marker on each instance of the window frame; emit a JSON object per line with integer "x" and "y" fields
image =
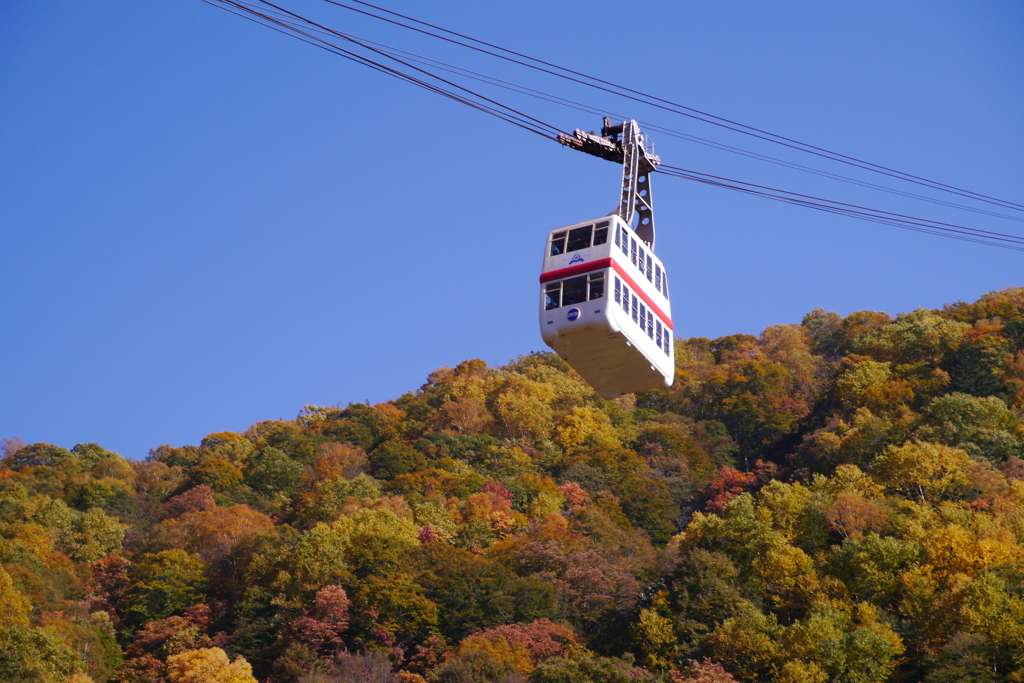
{"x": 550, "y": 287}
{"x": 569, "y": 248}
{"x": 555, "y": 239}
{"x": 575, "y": 291}
{"x": 593, "y": 278}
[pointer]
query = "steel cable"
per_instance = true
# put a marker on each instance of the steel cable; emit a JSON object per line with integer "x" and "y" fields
{"x": 297, "y": 27}
{"x": 668, "y": 105}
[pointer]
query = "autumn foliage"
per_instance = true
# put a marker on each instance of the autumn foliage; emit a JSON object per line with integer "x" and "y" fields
{"x": 836, "y": 500}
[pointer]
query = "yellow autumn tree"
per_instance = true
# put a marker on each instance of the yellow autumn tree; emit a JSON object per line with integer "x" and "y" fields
{"x": 523, "y": 407}
{"x": 208, "y": 665}
{"x": 500, "y": 650}
{"x": 36, "y": 538}
{"x": 14, "y": 607}
{"x": 657, "y": 640}
{"x": 786, "y": 505}
{"x": 923, "y": 471}
{"x": 585, "y": 426}
{"x": 954, "y": 549}
{"x": 796, "y": 671}
{"x": 788, "y": 576}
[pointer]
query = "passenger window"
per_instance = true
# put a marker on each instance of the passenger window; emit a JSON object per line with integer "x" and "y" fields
{"x": 635, "y": 310}
{"x": 618, "y": 291}
{"x": 596, "y": 286}
{"x": 574, "y": 291}
{"x": 650, "y": 325}
{"x": 632, "y": 250}
{"x": 640, "y": 264}
{"x": 552, "y": 295}
{"x": 579, "y": 238}
{"x": 657, "y": 330}
{"x": 657, "y": 279}
{"x": 558, "y": 243}
{"x": 601, "y": 233}
{"x": 650, "y": 263}
{"x": 625, "y": 299}
{"x": 643, "y": 317}
{"x": 625, "y": 242}
{"x": 664, "y": 284}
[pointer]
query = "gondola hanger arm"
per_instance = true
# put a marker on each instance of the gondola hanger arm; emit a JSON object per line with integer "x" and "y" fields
{"x": 624, "y": 143}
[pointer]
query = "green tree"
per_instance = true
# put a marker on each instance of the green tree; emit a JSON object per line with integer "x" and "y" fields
{"x": 975, "y": 365}
{"x": 964, "y": 657}
{"x": 108, "y": 493}
{"x": 93, "y": 453}
{"x": 395, "y": 457}
{"x": 281, "y": 581}
{"x": 475, "y": 592}
{"x": 591, "y": 670}
{"x": 39, "y": 455}
{"x": 327, "y": 497}
{"x": 748, "y": 644}
{"x": 393, "y": 611}
{"x": 870, "y": 566}
{"x": 163, "y": 584}
{"x": 271, "y": 472}
{"x": 703, "y": 591}
{"x": 921, "y": 336}
{"x": 849, "y": 648}
{"x": 34, "y": 655}
{"x": 372, "y": 541}
{"x": 984, "y": 427}
{"x": 96, "y": 535}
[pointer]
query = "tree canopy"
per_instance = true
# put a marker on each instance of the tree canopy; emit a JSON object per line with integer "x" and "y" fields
{"x": 836, "y": 500}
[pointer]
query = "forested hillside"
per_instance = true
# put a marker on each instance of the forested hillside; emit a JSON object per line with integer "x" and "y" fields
{"x": 839, "y": 500}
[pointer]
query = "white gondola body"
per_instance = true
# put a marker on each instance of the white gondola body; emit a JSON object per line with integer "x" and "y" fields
{"x": 604, "y": 307}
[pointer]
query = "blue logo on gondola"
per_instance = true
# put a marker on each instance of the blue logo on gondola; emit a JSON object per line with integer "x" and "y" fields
{"x": 576, "y": 259}
{"x": 574, "y": 313}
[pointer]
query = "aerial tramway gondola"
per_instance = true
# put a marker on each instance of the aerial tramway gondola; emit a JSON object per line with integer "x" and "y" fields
{"x": 604, "y": 304}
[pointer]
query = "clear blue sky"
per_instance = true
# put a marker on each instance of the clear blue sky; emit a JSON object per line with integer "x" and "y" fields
{"x": 204, "y": 223}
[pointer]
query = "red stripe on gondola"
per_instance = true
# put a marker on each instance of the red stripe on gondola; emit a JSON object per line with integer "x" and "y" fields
{"x": 575, "y": 270}
{"x": 601, "y": 264}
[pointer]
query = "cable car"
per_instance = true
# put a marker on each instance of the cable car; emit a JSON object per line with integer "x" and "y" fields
{"x": 605, "y": 307}
{"x": 604, "y": 302}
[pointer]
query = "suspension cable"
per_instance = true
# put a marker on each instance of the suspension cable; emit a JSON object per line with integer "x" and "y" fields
{"x": 300, "y": 28}
{"x": 668, "y": 105}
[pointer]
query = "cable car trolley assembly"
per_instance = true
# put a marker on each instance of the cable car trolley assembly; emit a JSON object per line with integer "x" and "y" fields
{"x": 604, "y": 294}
